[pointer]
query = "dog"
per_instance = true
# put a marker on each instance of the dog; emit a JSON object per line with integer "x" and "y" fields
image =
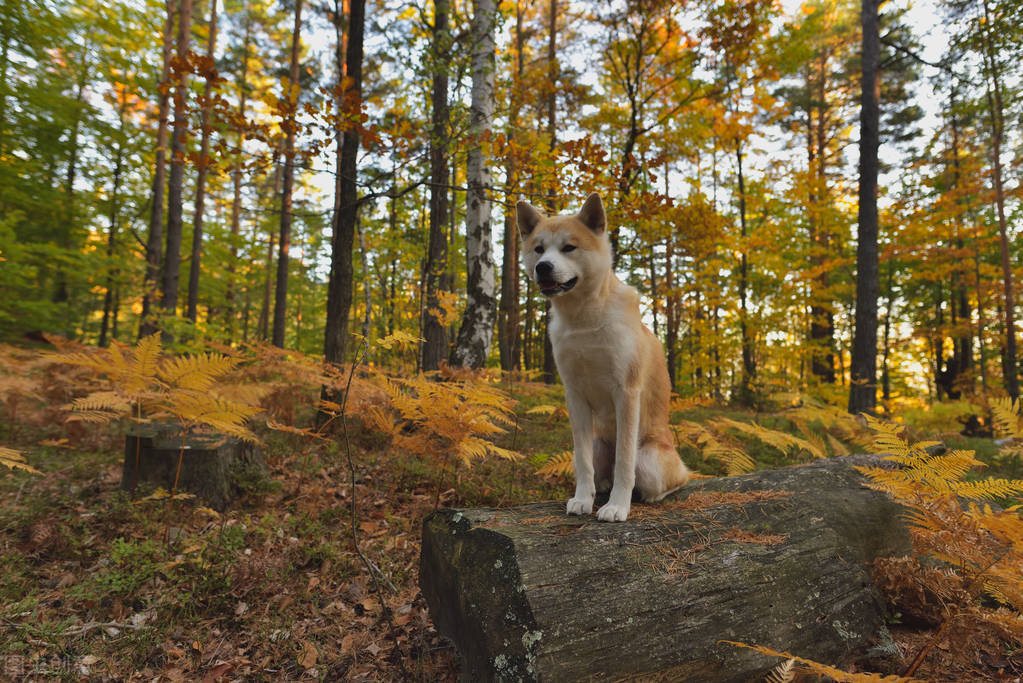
{"x": 613, "y": 367}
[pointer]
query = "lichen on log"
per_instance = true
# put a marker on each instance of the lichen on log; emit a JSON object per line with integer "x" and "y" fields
{"x": 775, "y": 558}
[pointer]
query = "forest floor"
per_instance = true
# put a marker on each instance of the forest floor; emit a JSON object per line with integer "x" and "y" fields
{"x": 271, "y": 589}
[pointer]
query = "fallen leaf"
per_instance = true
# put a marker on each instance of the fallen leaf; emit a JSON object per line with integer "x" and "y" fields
{"x": 373, "y": 649}
{"x": 217, "y": 672}
{"x": 309, "y": 655}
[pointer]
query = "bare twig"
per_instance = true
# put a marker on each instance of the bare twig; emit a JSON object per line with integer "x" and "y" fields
{"x": 374, "y": 572}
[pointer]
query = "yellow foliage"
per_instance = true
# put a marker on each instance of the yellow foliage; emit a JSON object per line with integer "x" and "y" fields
{"x": 984, "y": 545}
{"x": 186, "y": 388}
{"x": 436, "y": 418}
{"x": 15, "y": 461}
{"x": 557, "y": 465}
{"x": 824, "y": 669}
{"x": 783, "y": 441}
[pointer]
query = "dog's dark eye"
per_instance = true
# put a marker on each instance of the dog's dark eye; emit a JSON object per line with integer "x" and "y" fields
{"x": 538, "y": 249}
{"x": 567, "y": 248}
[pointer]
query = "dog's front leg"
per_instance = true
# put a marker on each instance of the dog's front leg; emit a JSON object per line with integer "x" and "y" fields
{"x": 627, "y": 428}
{"x": 581, "y": 417}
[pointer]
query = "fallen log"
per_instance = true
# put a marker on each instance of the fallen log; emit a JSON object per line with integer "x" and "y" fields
{"x": 775, "y": 558}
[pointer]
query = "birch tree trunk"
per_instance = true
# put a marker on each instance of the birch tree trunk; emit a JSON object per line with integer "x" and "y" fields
{"x": 200, "y": 182}
{"x": 477, "y": 330}
{"x": 284, "y": 245}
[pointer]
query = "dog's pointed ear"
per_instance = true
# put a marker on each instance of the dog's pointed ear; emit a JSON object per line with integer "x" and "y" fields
{"x": 592, "y": 214}
{"x": 527, "y": 217}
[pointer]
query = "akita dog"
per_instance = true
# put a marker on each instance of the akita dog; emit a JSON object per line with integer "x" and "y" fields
{"x": 612, "y": 366}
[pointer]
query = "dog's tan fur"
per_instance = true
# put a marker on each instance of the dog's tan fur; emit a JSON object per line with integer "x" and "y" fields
{"x": 612, "y": 366}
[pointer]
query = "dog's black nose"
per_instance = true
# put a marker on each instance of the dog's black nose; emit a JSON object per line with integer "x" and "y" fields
{"x": 544, "y": 269}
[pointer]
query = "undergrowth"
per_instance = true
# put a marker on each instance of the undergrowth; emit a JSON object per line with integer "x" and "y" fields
{"x": 312, "y": 572}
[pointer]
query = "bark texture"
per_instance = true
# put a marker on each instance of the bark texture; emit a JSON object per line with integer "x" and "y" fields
{"x": 284, "y": 242}
{"x": 176, "y": 179}
{"x": 863, "y": 365}
{"x": 477, "y": 330}
{"x": 214, "y": 469}
{"x": 775, "y": 558}
{"x": 346, "y": 203}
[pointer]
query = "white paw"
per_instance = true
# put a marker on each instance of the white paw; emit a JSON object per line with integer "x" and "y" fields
{"x": 613, "y": 513}
{"x": 580, "y": 506}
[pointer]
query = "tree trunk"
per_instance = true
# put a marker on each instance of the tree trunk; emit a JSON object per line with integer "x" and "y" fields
{"x": 236, "y": 183}
{"x": 434, "y": 332}
{"x": 62, "y": 293}
{"x": 508, "y": 318}
{"x": 777, "y": 558}
{"x": 115, "y": 195}
{"x": 346, "y": 205}
{"x": 200, "y": 181}
{"x": 863, "y": 367}
{"x": 284, "y": 243}
{"x": 995, "y": 108}
{"x": 175, "y": 183}
{"x": 477, "y": 330}
{"x": 749, "y": 369}
{"x": 154, "y": 242}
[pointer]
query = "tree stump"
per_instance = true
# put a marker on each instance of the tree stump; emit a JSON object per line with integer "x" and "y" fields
{"x": 212, "y": 467}
{"x": 775, "y": 558}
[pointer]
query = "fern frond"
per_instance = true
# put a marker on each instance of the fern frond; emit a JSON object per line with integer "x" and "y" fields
{"x": 887, "y": 437}
{"x": 559, "y": 464}
{"x": 197, "y": 373}
{"x": 205, "y": 409}
{"x": 14, "y": 460}
{"x": 783, "y": 673}
{"x": 1005, "y": 412}
{"x": 403, "y": 340}
{"x": 824, "y": 669}
{"x": 989, "y": 489}
{"x": 102, "y": 401}
{"x": 161, "y": 494}
{"x": 735, "y": 460}
{"x": 474, "y": 448}
{"x": 837, "y": 447}
{"x": 783, "y": 441}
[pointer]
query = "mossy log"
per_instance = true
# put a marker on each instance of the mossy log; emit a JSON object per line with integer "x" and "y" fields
{"x": 776, "y": 558}
{"x": 213, "y": 467}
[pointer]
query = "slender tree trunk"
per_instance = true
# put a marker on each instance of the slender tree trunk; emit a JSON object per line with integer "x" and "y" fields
{"x": 115, "y": 196}
{"x": 5, "y": 62}
{"x": 477, "y": 330}
{"x": 822, "y": 361}
{"x": 236, "y": 182}
{"x": 863, "y": 368}
{"x": 175, "y": 183}
{"x": 367, "y": 292}
{"x": 340, "y": 284}
{"x": 263, "y": 323}
{"x": 70, "y": 213}
{"x": 200, "y": 181}
{"x": 749, "y": 368}
{"x": 154, "y": 242}
{"x": 964, "y": 342}
{"x": 508, "y": 319}
{"x": 995, "y": 107}
{"x": 434, "y": 332}
{"x": 284, "y": 246}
